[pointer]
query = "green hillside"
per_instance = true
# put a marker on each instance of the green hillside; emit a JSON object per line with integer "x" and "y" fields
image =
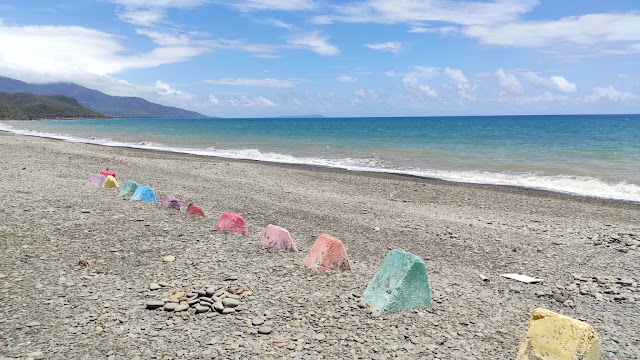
{"x": 20, "y": 106}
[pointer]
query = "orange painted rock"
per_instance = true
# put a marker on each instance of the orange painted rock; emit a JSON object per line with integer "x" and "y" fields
{"x": 327, "y": 253}
{"x": 194, "y": 210}
{"x": 278, "y": 237}
{"x": 234, "y": 223}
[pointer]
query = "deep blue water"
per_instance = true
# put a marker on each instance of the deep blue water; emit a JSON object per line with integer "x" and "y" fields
{"x": 595, "y": 155}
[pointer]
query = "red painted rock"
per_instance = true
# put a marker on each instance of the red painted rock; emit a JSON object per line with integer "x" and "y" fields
{"x": 278, "y": 237}
{"x": 107, "y": 173}
{"x": 194, "y": 210}
{"x": 327, "y": 253}
{"x": 234, "y": 223}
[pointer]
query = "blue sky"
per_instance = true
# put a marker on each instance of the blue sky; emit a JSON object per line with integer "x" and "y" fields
{"x": 263, "y": 58}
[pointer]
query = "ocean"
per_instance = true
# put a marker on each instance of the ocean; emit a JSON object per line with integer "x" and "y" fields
{"x": 590, "y": 155}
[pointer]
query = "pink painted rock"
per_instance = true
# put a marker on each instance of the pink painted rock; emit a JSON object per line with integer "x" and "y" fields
{"x": 234, "y": 223}
{"x": 327, "y": 253}
{"x": 170, "y": 202}
{"x": 194, "y": 210}
{"x": 107, "y": 173}
{"x": 95, "y": 180}
{"x": 278, "y": 237}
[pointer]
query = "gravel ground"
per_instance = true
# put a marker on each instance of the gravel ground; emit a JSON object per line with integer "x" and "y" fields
{"x": 80, "y": 266}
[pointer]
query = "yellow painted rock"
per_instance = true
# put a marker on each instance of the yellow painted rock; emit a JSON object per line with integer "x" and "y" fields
{"x": 558, "y": 337}
{"x": 110, "y": 182}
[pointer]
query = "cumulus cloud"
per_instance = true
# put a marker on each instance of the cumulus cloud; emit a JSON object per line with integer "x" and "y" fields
{"x": 166, "y": 89}
{"x": 461, "y": 83}
{"x": 509, "y": 82}
{"x": 611, "y": 94}
{"x": 412, "y": 83}
{"x": 386, "y": 46}
{"x": 213, "y": 100}
{"x": 315, "y": 42}
{"x": 265, "y": 82}
{"x": 347, "y": 79}
{"x": 557, "y": 83}
{"x": 362, "y": 95}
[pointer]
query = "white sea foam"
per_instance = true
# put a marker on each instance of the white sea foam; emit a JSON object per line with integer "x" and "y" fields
{"x": 577, "y": 185}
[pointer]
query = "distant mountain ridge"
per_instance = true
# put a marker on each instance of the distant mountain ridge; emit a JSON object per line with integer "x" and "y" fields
{"x": 112, "y": 106}
{"x": 21, "y": 106}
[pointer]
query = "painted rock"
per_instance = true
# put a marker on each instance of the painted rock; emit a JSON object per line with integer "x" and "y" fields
{"x": 327, "y": 253}
{"x": 278, "y": 237}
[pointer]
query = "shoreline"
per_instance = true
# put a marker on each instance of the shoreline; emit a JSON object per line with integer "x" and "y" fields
{"x": 585, "y": 249}
{"x": 357, "y": 169}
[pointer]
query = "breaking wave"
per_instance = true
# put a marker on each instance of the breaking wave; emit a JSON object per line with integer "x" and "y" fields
{"x": 576, "y": 185}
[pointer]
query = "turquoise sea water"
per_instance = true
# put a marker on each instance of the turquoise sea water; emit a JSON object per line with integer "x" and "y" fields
{"x": 593, "y": 155}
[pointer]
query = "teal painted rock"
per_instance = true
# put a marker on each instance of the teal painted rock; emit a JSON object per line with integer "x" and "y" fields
{"x": 400, "y": 283}
{"x": 128, "y": 188}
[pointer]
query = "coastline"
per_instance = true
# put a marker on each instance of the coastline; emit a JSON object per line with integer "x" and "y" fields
{"x": 461, "y": 230}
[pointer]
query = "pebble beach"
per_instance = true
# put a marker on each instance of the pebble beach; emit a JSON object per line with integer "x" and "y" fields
{"x": 87, "y": 274}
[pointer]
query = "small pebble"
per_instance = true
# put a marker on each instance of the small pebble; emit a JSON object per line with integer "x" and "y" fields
{"x": 265, "y": 330}
{"x": 169, "y": 258}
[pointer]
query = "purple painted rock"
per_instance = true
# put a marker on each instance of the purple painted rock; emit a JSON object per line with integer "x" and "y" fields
{"x": 234, "y": 223}
{"x": 95, "y": 180}
{"x": 170, "y": 202}
{"x": 278, "y": 237}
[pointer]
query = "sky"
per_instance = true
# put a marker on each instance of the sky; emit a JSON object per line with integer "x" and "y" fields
{"x": 266, "y": 58}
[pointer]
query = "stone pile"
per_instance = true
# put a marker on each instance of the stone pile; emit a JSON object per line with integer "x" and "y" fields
{"x": 621, "y": 241}
{"x": 209, "y": 299}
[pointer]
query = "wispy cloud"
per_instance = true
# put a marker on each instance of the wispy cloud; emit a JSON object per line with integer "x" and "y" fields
{"x": 386, "y": 46}
{"x": 266, "y": 82}
{"x": 347, "y": 79}
{"x": 150, "y": 13}
{"x": 558, "y": 83}
{"x": 255, "y": 101}
{"x": 509, "y": 82}
{"x": 315, "y": 42}
{"x": 258, "y": 5}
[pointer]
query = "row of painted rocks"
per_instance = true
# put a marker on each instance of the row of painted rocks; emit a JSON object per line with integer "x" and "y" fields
{"x": 400, "y": 283}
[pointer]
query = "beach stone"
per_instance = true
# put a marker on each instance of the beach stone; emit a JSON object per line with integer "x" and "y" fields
{"x": 181, "y": 307}
{"x": 128, "y": 188}
{"x": 194, "y": 210}
{"x": 36, "y": 355}
{"x": 232, "y": 222}
{"x": 110, "y": 182}
{"x": 95, "y": 180}
{"x": 169, "y": 258}
{"x": 33, "y": 324}
{"x": 257, "y": 321}
{"x": 154, "y": 304}
{"x": 170, "y": 202}
{"x": 154, "y": 286}
{"x": 230, "y": 302}
{"x": 218, "y": 306}
{"x": 265, "y": 330}
{"x": 400, "y": 283}
{"x": 327, "y": 253}
{"x": 170, "y": 306}
{"x": 202, "y": 309}
{"x": 210, "y": 291}
{"x": 278, "y": 238}
{"x": 553, "y": 336}
{"x": 228, "y": 310}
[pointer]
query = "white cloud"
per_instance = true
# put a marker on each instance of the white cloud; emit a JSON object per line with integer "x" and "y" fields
{"x": 586, "y": 35}
{"x": 256, "y": 101}
{"x": 362, "y": 95}
{"x": 265, "y": 82}
{"x": 557, "y": 83}
{"x": 150, "y": 12}
{"x": 213, "y": 100}
{"x": 509, "y": 82}
{"x": 412, "y": 83}
{"x": 267, "y": 56}
{"x": 314, "y": 42}
{"x": 417, "y": 11}
{"x": 563, "y": 85}
{"x": 278, "y": 23}
{"x": 456, "y": 75}
{"x": 386, "y": 46}
{"x": 166, "y": 89}
{"x": 610, "y": 93}
{"x": 256, "y": 5}
{"x": 347, "y": 79}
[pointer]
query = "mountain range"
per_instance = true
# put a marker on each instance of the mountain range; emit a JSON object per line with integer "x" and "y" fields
{"x": 21, "y": 106}
{"x": 111, "y": 106}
